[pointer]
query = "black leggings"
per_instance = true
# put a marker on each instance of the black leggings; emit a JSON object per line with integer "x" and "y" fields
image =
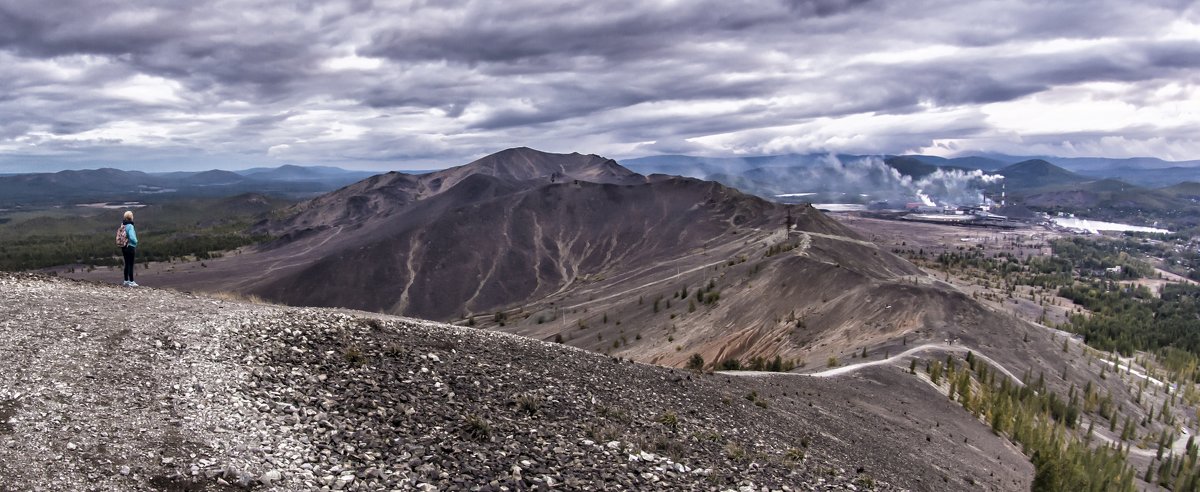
{"x": 127, "y": 252}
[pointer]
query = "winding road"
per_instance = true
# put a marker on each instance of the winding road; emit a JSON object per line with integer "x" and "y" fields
{"x": 838, "y": 371}
{"x": 1179, "y": 446}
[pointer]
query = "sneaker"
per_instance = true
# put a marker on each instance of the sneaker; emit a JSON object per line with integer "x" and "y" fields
{"x": 133, "y": 284}
{"x": 125, "y": 283}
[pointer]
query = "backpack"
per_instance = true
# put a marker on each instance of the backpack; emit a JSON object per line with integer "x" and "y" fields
{"x": 122, "y": 237}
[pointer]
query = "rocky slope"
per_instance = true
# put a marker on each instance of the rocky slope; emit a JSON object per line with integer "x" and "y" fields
{"x": 106, "y": 388}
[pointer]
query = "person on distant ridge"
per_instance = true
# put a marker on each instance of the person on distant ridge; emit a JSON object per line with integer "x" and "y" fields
{"x": 129, "y": 248}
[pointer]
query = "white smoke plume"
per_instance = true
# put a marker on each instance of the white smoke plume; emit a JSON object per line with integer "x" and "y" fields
{"x": 873, "y": 177}
{"x": 837, "y": 178}
{"x": 925, "y": 199}
{"x": 954, "y": 187}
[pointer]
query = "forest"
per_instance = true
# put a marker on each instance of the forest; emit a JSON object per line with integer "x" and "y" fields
{"x": 190, "y": 229}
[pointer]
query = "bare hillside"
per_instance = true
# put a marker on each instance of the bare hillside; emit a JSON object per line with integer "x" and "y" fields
{"x": 523, "y": 232}
{"x": 106, "y": 388}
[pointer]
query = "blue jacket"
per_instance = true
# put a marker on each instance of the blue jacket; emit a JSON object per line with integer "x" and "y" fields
{"x": 131, "y": 233}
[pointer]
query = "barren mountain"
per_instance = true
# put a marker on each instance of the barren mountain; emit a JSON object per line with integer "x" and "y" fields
{"x": 576, "y": 248}
{"x": 105, "y": 388}
{"x": 384, "y": 195}
{"x": 516, "y": 226}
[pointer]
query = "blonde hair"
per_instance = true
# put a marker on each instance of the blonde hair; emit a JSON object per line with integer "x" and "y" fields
{"x": 129, "y": 215}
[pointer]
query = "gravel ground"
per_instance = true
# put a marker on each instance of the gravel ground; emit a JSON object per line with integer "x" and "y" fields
{"x": 109, "y": 388}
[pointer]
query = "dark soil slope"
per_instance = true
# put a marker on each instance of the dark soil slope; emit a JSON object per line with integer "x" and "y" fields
{"x": 389, "y": 194}
{"x": 181, "y": 392}
{"x": 503, "y": 231}
{"x": 486, "y": 244}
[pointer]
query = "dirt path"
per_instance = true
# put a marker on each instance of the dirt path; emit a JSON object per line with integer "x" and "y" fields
{"x": 806, "y": 243}
{"x": 275, "y": 265}
{"x": 1178, "y": 447}
{"x": 669, "y": 278}
{"x": 941, "y": 347}
{"x": 647, "y": 284}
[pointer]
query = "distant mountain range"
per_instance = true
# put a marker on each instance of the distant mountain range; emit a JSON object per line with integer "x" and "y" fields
{"x": 69, "y": 187}
{"x": 1142, "y": 171}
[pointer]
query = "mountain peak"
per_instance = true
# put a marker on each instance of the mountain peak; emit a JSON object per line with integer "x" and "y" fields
{"x": 524, "y": 163}
{"x": 1039, "y": 167}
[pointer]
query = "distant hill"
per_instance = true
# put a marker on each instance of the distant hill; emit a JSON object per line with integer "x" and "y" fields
{"x": 291, "y": 172}
{"x": 1101, "y": 194}
{"x": 214, "y": 177}
{"x": 1101, "y": 165}
{"x": 1037, "y": 173}
{"x": 95, "y": 185}
{"x": 967, "y": 162}
{"x": 1154, "y": 178}
{"x": 1188, "y": 190}
{"x": 68, "y": 186}
{"x": 1142, "y": 171}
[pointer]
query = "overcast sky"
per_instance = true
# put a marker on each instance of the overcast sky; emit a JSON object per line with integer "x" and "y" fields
{"x": 231, "y": 84}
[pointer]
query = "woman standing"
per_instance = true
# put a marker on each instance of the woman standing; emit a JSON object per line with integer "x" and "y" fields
{"x": 129, "y": 248}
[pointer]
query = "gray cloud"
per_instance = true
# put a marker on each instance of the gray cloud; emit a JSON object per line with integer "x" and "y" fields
{"x": 419, "y": 84}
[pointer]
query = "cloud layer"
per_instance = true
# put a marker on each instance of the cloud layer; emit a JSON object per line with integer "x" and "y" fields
{"x": 382, "y": 85}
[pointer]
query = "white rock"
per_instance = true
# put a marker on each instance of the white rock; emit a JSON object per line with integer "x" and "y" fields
{"x": 270, "y": 477}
